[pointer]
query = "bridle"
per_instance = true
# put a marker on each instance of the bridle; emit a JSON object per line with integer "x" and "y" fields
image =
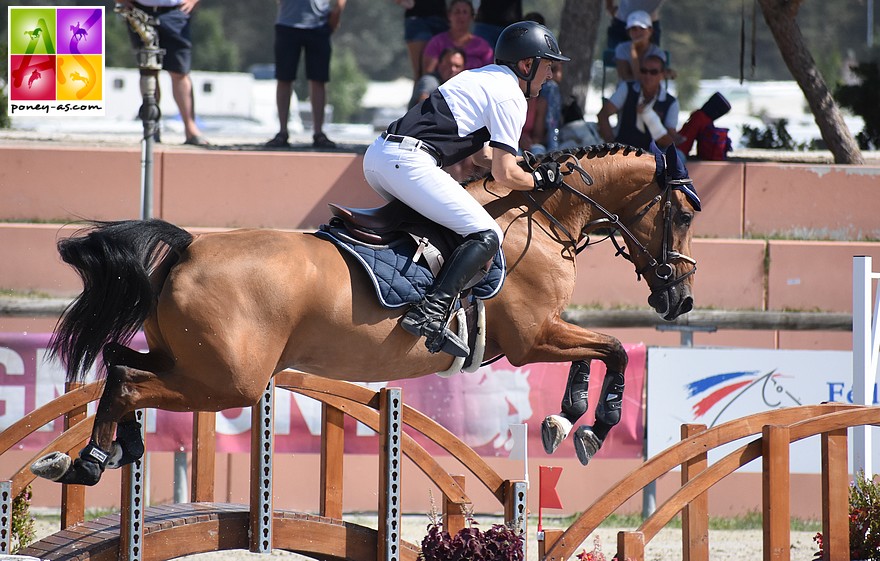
{"x": 663, "y": 268}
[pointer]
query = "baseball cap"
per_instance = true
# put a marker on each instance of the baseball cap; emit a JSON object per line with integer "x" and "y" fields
{"x": 639, "y": 18}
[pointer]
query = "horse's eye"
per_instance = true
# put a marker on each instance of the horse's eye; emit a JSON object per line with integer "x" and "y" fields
{"x": 684, "y": 219}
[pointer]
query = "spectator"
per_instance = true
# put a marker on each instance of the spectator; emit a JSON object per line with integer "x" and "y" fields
{"x": 174, "y": 18}
{"x": 495, "y": 15}
{"x": 645, "y": 111}
{"x": 478, "y": 113}
{"x": 629, "y": 54}
{"x": 422, "y": 20}
{"x": 452, "y": 61}
{"x": 304, "y": 25}
{"x": 619, "y": 13}
{"x": 461, "y": 18}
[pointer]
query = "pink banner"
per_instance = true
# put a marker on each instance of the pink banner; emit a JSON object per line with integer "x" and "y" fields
{"x": 477, "y": 407}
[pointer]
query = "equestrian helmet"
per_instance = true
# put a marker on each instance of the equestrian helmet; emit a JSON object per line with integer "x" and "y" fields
{"x": 526, "y": 39}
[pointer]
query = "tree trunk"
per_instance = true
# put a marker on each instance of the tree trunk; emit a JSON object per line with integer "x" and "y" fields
{"x": 577, "y": 40}
{"x": 780, "y": 17}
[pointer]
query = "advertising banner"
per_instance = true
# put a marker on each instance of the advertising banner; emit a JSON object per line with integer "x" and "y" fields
{"x": 714, "y": 386}
{"x": 477, "y": 407}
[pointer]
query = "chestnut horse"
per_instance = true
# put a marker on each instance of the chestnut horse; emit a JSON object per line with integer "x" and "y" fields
{"x": 223, "y": 312}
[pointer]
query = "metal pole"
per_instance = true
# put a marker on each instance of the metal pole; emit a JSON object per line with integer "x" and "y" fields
{"x": 870, "y": 23}
{"x": 180, "y": 481}
{"x": 150, "y": 63}
{"x": 864, "y": 358}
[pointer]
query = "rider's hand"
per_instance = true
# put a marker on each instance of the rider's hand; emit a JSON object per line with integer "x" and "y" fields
{"x": 547, "y": 176}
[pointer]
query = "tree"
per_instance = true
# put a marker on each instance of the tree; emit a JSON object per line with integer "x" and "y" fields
{"x": 780, "y": 17}
{"x": 577, "y": 39}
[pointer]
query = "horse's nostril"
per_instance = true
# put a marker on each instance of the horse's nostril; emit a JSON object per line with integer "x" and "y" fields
{"x": 687, "y": 305}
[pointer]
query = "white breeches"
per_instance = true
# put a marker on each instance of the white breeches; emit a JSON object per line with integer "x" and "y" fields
{"x": 401, "y": 170}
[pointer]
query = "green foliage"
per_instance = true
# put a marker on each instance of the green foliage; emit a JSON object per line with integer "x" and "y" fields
{"x": 774, "y": 137}
{"x": 864, "y": 520}
{"x": 863, "y": 99}
{"x": 348, "y": 85}
{"x": 22, "y": 523}
{"x": 4, "y": 118}
{"x": 212, "y": 49}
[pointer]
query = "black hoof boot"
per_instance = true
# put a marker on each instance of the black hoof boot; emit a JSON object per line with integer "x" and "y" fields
{"x": 128, "y": 446}
{"x": 82, "y": 472}
{"x": 87, "y": 469}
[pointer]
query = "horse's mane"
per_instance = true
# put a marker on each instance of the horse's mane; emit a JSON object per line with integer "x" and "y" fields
{"x": 593, "y": 151}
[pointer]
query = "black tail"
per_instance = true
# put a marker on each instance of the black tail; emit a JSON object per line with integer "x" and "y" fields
{"x": 114, "y": 260}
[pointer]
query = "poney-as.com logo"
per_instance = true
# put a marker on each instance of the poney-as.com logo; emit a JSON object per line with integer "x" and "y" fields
{"x": 729, "y": 395}
{"x": 56, "y": 61}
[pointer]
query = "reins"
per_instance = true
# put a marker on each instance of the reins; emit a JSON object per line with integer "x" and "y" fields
{"x": 662, "y": 269}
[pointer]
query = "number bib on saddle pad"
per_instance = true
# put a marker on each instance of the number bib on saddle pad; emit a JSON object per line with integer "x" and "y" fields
{"x": 397, "y": 279}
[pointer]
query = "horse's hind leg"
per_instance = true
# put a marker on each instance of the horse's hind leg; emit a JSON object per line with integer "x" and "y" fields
{"x": 124, "y": 368}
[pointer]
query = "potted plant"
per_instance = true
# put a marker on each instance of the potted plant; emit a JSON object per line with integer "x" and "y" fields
{"x": 498, "y": 543}
{"x": 864, "y": 520}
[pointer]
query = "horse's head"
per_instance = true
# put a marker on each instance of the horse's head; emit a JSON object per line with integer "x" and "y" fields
{"x": 649, "y": 202}
{"x": 666, "y": 230}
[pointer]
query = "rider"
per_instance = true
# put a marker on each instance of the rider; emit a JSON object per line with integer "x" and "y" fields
{"x": 484, "y": 105}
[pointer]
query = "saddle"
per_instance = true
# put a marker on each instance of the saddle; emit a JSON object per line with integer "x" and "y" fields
{"x": 387, "y": 225}
{"x": 402, "y": 252}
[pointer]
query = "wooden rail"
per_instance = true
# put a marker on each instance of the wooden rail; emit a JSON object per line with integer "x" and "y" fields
{"x": 173, "y": 530}
{"x": 776, "y": 430}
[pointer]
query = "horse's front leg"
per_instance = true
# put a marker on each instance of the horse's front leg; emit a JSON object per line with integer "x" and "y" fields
{"x": 563, "y": 341}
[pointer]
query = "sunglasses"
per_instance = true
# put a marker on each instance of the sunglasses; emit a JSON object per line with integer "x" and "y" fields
{"x": 651, "y": 71}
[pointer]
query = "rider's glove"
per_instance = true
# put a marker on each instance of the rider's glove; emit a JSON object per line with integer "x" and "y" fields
{"x": 547, "y": 176}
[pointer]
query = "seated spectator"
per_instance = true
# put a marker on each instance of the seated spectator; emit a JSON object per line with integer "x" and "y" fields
{"x": 629, "y": 54}
{"x": 461, "y": 18}
{"x": 644, "y": 110}
{"x": 620, "y": 12}
{"x": 452, "y": 61}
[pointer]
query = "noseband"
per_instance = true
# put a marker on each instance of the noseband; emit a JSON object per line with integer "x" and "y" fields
{"x": 663, "y": 269}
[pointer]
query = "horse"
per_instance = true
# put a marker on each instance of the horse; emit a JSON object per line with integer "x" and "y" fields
{"x": 223, "y": 312}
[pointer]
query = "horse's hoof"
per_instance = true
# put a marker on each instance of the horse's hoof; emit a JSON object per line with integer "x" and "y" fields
{"x": 554, "y": 429}
{"x": 52, "y": 466}
{"x": 586, "y": 444}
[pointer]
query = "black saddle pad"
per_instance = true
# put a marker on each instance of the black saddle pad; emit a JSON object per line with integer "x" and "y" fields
{"x": 397, "y": 279}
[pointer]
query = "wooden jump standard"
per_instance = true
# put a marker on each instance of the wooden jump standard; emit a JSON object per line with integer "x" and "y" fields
{"x": 164, "y": 532}
{"x": 777, "y": 429}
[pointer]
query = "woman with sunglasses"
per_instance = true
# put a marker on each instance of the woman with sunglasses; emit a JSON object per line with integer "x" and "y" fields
{"x": 645, "y": 111}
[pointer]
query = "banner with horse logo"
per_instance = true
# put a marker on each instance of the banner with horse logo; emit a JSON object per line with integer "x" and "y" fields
{"x": 477, "y": 407}
{"x": 714, "y": 386}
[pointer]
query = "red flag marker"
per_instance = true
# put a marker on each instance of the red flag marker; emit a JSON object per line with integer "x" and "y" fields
{"x": 548, "y": 477}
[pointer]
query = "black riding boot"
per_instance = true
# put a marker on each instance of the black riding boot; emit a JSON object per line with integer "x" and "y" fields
{"x": 429, "y": 317}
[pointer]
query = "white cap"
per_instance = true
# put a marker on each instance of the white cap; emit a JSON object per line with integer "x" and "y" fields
{"x": 639, "y": 18}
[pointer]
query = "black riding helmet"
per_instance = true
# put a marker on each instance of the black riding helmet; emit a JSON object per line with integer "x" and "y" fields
{"x": 526, "y": 39}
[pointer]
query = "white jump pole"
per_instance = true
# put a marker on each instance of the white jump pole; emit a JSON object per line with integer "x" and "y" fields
{"x": 865, "y": 351}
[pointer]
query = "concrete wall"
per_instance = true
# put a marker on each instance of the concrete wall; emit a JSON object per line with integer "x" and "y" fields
{"x": 42, "y": 190}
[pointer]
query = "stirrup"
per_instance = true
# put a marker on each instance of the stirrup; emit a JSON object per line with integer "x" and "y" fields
{"x": 438, "y": 337}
